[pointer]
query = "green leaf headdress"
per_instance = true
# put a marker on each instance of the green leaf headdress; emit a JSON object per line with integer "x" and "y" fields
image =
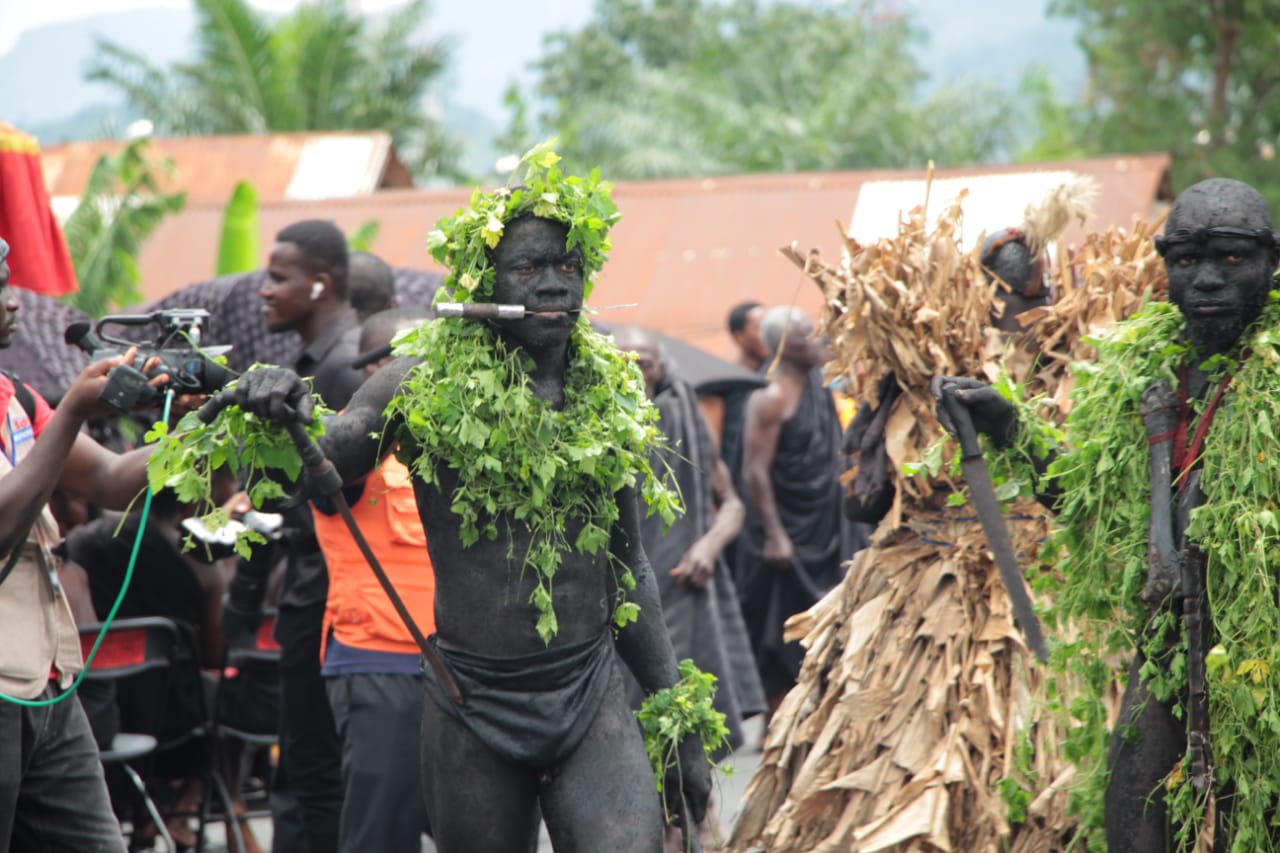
{"x": 463, "y": 243}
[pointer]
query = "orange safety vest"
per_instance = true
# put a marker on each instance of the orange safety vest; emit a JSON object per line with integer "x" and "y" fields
{"x": 358, "y": 610}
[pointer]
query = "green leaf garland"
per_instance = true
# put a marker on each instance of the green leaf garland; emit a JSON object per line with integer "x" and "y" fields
{"x": 463, "y": 242}
{"x": 1101, "y": 557}
{"x": 186, "y": 457}
{"x": 469, "y": 406}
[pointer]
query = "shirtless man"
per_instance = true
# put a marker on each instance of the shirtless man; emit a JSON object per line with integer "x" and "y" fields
{"x": 796, "y": 539}
{"x": 566, "y": 743}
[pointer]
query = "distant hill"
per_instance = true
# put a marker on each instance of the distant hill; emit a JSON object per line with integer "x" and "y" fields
{"x": 50, "y": 62}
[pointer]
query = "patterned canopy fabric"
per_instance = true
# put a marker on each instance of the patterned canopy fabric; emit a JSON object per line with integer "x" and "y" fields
{"x": 39, "y": 354}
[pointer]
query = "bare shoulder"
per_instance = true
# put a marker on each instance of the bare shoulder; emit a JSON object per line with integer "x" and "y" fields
{"x": 354, "y": 438}
{"x": 767, "y": 404}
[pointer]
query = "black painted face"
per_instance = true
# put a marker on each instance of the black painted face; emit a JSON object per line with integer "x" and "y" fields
{"x": 1221, "y": 285}
{"x": 1219, "y": 251}
{"x": 532, "y": 268}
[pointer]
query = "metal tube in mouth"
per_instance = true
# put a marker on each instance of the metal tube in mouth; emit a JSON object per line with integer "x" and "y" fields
{"x": 480, "y": 310}
{"x": 499, "y": 311}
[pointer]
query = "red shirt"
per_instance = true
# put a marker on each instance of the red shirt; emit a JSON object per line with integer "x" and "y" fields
{"x": 21, "y": 425}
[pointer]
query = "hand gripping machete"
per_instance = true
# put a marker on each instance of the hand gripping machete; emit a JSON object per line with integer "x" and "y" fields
{"x": 993, "y": 524}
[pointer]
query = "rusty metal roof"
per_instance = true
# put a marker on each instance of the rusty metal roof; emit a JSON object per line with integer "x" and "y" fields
{"x": 685, "y": 250}
{"x": 280, "y": 165}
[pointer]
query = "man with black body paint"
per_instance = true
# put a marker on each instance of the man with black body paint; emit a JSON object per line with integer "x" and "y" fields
{"x": 1220, "y": 252}
{"x": 600, "y": 794}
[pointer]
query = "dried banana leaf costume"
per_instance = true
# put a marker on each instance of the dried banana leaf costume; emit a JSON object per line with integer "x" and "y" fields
{"x": 915, "y": 685}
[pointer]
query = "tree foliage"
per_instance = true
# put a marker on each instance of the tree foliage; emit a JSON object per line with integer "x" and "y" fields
{"x": 317, "y": 68}
{"x": 1196, "y": 78}
{"x": 676, "y": 87}
{"x": 122, "y": 204}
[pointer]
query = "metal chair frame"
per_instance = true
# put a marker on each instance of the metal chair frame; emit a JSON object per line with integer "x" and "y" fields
{"x": 264, "y": 650}
{"x": 131, "y": 647}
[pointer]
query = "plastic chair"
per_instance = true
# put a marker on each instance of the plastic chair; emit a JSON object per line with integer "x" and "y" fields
{"x": 130, "y": 647}
{"x": 263, "y": 658}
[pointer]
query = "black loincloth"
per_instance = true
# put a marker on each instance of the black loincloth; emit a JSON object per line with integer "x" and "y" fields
{"x": 533, "y": 709}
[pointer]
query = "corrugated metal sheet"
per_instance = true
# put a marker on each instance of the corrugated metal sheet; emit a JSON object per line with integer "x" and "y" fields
{"x": 281, "y": 165}
{"x": 991, "y": 201}
{"x": 686, "y": 250}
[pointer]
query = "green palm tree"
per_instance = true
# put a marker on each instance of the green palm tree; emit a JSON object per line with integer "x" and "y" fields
{"x": 317, "y": 68}
{"x": 122, "y": 205}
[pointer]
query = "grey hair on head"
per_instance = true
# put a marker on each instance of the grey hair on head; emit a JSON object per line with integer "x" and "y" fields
{"x": 775, "y": 324}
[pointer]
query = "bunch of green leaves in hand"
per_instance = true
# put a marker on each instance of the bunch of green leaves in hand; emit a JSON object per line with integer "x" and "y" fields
{"x": 668, "y": 716}
{"x": 258, "y": 451}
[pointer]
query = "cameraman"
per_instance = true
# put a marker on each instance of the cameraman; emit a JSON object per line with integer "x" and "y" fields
{"x": 52, "y": 794}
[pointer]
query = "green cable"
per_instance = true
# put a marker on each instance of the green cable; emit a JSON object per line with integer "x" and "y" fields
{"x": 106, "y": 623}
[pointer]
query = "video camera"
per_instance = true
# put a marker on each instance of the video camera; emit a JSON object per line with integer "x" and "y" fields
{"x": 191, "y": 367}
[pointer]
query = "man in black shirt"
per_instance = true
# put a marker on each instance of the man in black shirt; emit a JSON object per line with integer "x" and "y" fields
{"x": 306, "y": 292}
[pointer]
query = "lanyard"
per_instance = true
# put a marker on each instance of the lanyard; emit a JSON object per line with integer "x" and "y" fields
{"x": 1187, "y": 453}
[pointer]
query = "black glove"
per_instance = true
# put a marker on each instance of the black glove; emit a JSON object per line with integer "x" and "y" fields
{"x": 269, "y": 392}
{"x": 991, "y": 413}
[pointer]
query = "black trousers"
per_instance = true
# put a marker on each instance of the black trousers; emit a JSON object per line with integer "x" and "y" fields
{"x": 308, "y": 784}
{"x": 379, "y": 718}
{"x": 52, "y": 795}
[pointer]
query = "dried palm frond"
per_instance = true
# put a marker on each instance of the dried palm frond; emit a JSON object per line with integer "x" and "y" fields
{"x": 914, "y": 689}
{"x": 914, "y": 305}
{"x": 1104, "y": 280}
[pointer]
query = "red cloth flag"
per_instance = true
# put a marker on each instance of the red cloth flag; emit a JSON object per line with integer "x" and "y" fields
{"x": 38, "y": 259}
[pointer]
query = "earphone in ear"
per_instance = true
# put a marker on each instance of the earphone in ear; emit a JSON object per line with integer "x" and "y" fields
{"x": 317, "y": 288}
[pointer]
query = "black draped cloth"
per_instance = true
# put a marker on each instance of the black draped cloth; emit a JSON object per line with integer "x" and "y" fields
{"x": 806, "y": 488}
{"x": 705, "y": 625}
